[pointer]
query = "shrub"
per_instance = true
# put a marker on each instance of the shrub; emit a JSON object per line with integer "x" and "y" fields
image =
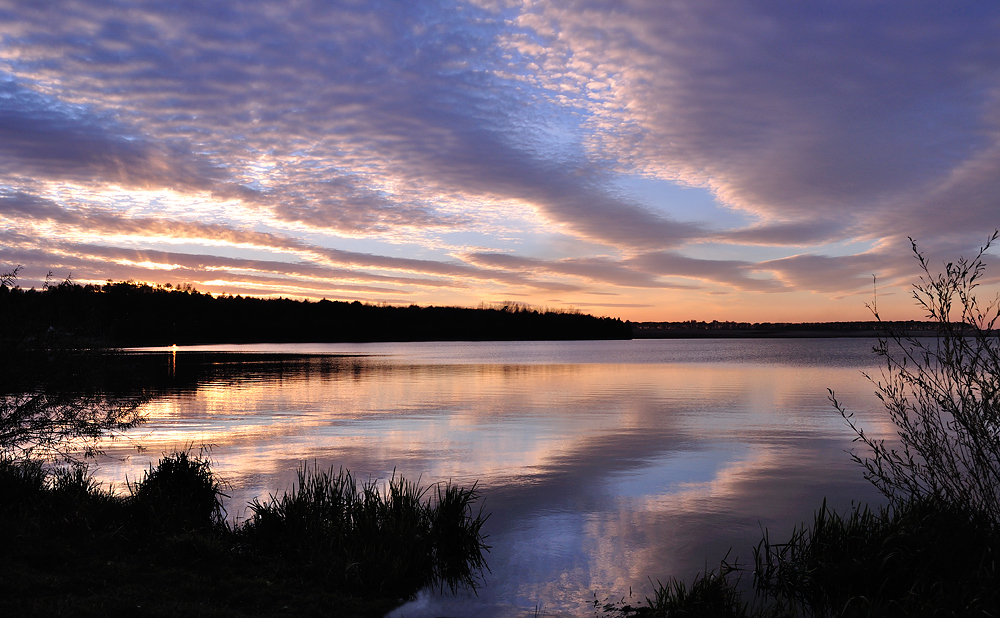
{"x": 943, "y": 396}
{"x": 181, "y": 494}
{"x": 57, "y": 426}
{"x": 53, "y": 404}
{"x": 933, "y": 549}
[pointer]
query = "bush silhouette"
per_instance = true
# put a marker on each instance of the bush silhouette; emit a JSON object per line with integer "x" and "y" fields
{"x": 181, "y": 494}
{"x": 390, "y": 540}
{"x": 943, "y": 396}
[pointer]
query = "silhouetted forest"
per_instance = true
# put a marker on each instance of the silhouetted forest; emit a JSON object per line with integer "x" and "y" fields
{"x": 131, "y": 314}
{"x": 715, "y": 329}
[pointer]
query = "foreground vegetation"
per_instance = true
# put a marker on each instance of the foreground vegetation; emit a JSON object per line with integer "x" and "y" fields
{"x": 918, "y": 558}
{"x": 933, "y": 549}
{"x": 163, "y": 547}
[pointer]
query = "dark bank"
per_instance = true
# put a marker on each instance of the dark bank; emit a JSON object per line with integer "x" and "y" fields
{"x": 127, "y": 314}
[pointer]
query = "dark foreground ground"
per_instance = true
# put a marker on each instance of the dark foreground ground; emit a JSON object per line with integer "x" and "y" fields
{"x": 330, "y": 547}
{"x": 59, "y": 581}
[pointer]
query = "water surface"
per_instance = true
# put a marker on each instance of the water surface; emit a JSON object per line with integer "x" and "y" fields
{"x": 604, "y": 464}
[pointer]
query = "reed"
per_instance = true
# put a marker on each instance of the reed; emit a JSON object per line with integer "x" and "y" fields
{"x": 920, "y": 557}
{"x": 712, "y": 594}
{"x": 914, "y": 558}
{"x": 387, "y": 540}
{"x": 330, "y": 545}
{"x": 181, "y": 494}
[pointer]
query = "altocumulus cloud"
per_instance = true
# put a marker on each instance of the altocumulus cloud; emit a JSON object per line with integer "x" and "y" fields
{"x": 453, "y": 152}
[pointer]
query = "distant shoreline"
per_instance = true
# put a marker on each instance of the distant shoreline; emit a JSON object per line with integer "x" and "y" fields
{"x": 770, "y": 330}
{"x": 128, "y": 314}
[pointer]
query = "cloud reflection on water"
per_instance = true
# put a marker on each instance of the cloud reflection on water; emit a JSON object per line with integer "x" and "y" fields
{"x": 598, "y": 475}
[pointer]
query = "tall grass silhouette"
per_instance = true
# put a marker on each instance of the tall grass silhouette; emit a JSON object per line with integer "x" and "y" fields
{"x": 390, "y": 539}
{"x": 328, "y": 546}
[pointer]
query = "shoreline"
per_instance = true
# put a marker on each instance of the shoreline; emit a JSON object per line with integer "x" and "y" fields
{"x": 768, "y": 330}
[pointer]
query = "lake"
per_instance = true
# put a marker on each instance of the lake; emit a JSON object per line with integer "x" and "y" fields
{"x": 605, "y": 465}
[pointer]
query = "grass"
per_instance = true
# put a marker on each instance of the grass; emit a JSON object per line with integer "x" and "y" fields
{"x": 921, "y": 557}
{"x": 391, "y": 541}
{"x": 181, "y": 494}
{"x": 712, "y": 593}
{"x": 163, "y": 547}
{"x": 917, "y": 558}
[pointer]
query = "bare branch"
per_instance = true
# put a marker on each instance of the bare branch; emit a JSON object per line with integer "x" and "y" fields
{"x": 942, "y": 394}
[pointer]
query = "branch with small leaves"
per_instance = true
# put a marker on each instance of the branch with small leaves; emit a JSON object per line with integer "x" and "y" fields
{"x": 942, "y": 395}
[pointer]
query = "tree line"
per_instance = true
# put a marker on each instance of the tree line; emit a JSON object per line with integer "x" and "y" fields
{"x": 138, "y": 314}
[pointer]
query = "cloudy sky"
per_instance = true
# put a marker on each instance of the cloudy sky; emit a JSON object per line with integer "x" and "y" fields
{"x": 645, "y": 159}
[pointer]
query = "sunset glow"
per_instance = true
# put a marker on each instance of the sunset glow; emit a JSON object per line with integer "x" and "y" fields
{"x": 645, "y": 160}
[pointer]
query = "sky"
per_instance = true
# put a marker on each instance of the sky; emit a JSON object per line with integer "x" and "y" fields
{"x": 642, "y": 159}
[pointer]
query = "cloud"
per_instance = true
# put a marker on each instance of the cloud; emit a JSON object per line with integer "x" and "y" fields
{"x": 800, "y": 233}
{"x": 445, "y": 269}
{"x": 335, "y": 97}
{"x": 504, "y": 125}
{"x": 311, "y": 260}
{"x": 735, "y": 273}
{"x": 834, "y": 274}
{"x": 80, "y": 253}
{"x": 601, "y": 270}
{"x": 43, "y": 138}
{"x": 809, "y": 113}
{"x": 348, "y": 205}
{"x": 25, "y": 205}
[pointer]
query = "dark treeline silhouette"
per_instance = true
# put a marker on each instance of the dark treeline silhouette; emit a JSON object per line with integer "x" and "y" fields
{"x": 133, "y": 314}
{"x": 715, "y": 329}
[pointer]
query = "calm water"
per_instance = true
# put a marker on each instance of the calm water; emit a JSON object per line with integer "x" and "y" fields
{"x": 604, "y": 464}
